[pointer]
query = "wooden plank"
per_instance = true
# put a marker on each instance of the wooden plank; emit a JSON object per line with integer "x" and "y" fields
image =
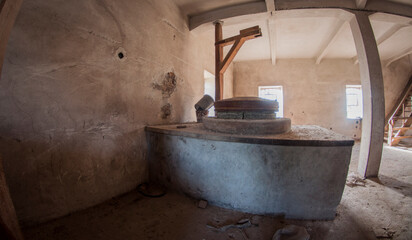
{"x": 400, "y": 134}
{"x": 401, "y": 128}
{"x": 250, "y": 34}
{"x": 395, "y": 140}
{"x": 397, "y": 118}
{"x": 251, "y": 29}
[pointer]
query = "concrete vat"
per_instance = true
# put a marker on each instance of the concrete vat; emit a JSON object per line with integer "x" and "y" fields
{"x": 300, "y": 174}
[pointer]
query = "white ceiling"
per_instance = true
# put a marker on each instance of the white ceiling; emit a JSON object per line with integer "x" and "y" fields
{"x": 304, "y": 33}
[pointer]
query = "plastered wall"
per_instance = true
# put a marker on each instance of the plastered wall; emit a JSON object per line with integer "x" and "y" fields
{"x": 315, "y": 93}
{"x": 73, "y": 112}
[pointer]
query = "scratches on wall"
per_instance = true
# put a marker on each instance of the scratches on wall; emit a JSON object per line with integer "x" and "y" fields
{"x": 167, "y": 22}
{"x": 99, "y": 35}
{"x": 106, "y": 7}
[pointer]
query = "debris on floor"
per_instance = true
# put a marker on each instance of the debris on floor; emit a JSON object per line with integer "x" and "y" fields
{"x": 241, "y": 224}
{"x": 355, "y": 181}
{"x": 384, "y": 233}
{"x": 291, "y": 232}
{"x": 202, "y": 204}
{"x": 151, "y": 190}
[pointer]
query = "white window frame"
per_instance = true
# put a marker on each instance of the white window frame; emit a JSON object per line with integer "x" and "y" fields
{"x": 354, "y": 111}
{"x": 279, "y": 99}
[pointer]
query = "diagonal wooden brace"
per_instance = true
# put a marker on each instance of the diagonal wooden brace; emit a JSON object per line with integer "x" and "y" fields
{"x": 237, "y": 41}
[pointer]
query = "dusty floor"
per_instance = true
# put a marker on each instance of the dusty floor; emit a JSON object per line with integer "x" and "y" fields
{"x": 371, "y": 209}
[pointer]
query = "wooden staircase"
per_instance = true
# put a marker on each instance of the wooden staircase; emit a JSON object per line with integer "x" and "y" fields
{"x": 400, "y": 119}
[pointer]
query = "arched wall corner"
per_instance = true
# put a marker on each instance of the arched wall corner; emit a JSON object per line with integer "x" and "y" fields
{"x": 9, "y": 225}
{"x": 8, "y": 14}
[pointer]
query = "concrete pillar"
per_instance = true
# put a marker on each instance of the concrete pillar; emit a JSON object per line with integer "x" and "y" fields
{"x": 373, "y": 97}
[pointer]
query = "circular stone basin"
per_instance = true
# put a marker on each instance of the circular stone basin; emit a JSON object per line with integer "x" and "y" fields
{"x": 248, "y": 126}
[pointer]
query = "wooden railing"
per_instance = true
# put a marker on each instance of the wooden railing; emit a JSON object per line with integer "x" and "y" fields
{"x": 401, "y": 115}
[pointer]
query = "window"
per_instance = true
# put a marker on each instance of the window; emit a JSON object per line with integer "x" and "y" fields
{"x": 273, "y": 93}
{"x": 354, "y": 104}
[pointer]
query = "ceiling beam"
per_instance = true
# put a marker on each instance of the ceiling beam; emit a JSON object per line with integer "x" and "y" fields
{"x": 372, "y": 6}
{"x": 385, "y": 36}
{"x": 331, "y": 39}
{"x": 389, "y": 33}
{"x": 272, "y": 38}
{"x": 226, "y": 12}
{"x": 256, "y": 8}
{"x": 270, "y": 5}
{"x": 400, "y": 55}
{"x": 361, "y": 3}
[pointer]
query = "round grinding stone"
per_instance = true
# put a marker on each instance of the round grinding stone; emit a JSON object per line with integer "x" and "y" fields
{"x": 244, "y": 104}
{"x": 248, "y": 126}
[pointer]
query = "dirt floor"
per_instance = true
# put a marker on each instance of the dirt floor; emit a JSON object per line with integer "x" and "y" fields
{"x": 370, "y": 209}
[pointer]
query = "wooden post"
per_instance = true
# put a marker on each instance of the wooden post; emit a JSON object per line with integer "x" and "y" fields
{"x": 218, "y": 61}
{"x": 237, "y": 41}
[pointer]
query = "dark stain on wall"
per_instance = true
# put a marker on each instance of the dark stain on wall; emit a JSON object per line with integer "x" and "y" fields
{"x": 168, "y": 86}
{"x": 166, "y": 111}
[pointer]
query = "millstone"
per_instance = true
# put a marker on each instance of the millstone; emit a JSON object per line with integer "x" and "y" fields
{"x": 247, "y": 115}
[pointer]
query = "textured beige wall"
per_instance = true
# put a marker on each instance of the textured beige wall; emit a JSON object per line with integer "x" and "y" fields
{"x": 228, "y": 82}
{"x": 315, "y": 94}
{"x": 72, "y": 114}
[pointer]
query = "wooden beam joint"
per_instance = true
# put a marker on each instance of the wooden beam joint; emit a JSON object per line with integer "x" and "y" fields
{"x": 248, "y": 33}
{"x": 221, "y": 64}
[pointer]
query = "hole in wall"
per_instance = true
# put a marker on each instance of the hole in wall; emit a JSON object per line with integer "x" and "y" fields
{"x": 120, "y": 54}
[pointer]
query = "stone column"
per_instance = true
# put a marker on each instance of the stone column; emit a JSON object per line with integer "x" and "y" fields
{"x": 373, "y": 95}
